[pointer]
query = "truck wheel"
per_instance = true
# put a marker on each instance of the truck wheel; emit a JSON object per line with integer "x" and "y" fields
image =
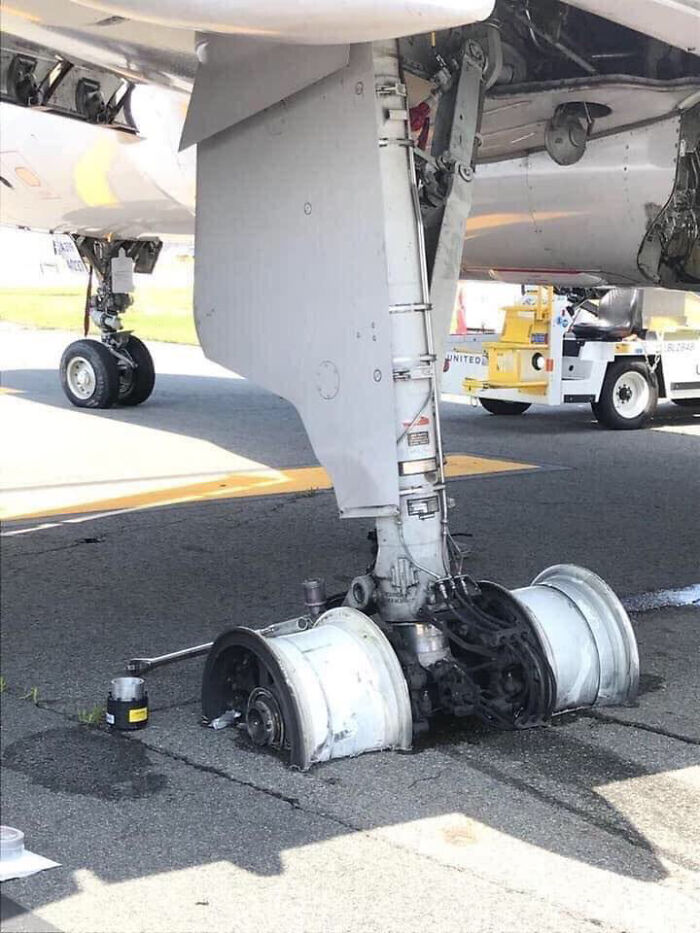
{"x": 135, "y": 385}
{"x": 89, "y": 375}
{"x": 496, "y": 407}
{"x": 692, "y": 403}
{"x": 628, "y": 397}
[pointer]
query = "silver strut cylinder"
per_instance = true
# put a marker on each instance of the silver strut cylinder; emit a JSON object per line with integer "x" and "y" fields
{"x": 413, "y": 545}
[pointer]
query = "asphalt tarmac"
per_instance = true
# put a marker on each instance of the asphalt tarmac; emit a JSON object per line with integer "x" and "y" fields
{"x": 589, "y": 824}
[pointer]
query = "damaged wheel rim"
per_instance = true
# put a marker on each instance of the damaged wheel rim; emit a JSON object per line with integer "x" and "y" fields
{"x": 243, "y": 675}
{"x": 610, "y": 628}
{"x": 330, "y": 691}
{"x": 586, "y": 635}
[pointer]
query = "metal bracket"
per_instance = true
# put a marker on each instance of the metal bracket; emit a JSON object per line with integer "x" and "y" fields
{"x": 420, "y": 307}
{"x": 395, "y": 89}
{"x": 53, "y": 79}
{"x": 447, "y": 237}
{"x": 403, "y": 575}
{"x": 451, "y": 164}
{"x": 419, "y": 372}
{"x": 113, "y": 341}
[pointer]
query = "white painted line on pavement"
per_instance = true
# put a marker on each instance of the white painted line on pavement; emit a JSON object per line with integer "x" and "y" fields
{"x": 660, "y": 599}
{"x": 67, "y": 521}
{"x": 26, "y": 531}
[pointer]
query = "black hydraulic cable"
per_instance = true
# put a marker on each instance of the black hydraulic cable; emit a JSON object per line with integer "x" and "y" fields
{"x": 538, "y": 692}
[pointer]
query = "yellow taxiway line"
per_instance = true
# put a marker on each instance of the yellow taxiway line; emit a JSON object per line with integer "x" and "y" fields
{"x": 251, "y": 483}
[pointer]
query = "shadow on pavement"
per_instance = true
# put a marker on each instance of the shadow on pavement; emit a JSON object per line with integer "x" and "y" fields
{"x": 139, "y": 793}
{"x": 230, "y": 413}
{"x": 239, "y": 416}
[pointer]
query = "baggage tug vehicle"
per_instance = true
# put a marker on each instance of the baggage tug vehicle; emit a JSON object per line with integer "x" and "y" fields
{"x": 622, "y": 354}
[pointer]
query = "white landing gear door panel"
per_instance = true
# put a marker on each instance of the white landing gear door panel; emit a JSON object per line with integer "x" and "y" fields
{"x": 238, "y": 77}
{"x": 290, "y": 272}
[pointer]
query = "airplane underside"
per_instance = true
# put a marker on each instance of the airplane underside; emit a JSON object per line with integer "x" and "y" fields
{"x": 348, "y": 186}
{"x": 625, "y": 214}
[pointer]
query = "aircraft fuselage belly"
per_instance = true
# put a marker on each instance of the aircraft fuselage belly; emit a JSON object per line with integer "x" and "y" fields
{"x": 69, "y": 176}
{"x": 533, "y": 220}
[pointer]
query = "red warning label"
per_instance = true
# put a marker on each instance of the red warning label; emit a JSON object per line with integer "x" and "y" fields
{"x": 418, "y": 423}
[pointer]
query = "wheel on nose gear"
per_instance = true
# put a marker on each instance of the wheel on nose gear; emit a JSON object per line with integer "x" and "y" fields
{"x": 89, "y": 375}
{"x": 135, "y": 385}
{"x": 628, "y": 396}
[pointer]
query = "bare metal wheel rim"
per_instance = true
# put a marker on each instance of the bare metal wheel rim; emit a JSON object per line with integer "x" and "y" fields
{"x": 631, "y": 394}
{"x": 80, "y": 376}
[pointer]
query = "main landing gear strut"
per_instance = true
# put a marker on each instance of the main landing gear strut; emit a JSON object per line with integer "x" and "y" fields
{"x": 118, "y": 368}
{"x": 414, "y": 635}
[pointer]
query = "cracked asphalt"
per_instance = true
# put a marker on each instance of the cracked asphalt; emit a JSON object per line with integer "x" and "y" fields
{"x": 589, "y": 824}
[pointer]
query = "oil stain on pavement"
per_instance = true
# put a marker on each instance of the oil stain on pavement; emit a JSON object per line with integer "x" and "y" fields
{"x": 87, "y": 762}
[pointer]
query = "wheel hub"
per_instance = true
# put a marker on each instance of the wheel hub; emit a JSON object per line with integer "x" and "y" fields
{"x": 264, "y": 718}
{"x": 81, "y": 377}
{"x": 625, "y": 393}
{"x": 631, "y": 395}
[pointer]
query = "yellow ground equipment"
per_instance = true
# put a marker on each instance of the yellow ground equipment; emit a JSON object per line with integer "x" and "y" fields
{"x": 520, "y": 358}
{"x": 621, "y": 354}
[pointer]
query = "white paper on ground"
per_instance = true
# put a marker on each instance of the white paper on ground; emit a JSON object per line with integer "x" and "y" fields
{"x": 27, "y": 864}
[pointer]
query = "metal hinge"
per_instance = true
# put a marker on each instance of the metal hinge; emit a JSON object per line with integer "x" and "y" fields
{"x": 391, "y": 141}
{"x": 407, "y": 308}
{"x": 395, "y": 89}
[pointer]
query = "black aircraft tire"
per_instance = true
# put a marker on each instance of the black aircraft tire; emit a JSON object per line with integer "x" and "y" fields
{"x": 137, "y": 385}
{"x": 628, "y": 396}
{"x": 497, "y": 407}
{"x": 89, "y": 375}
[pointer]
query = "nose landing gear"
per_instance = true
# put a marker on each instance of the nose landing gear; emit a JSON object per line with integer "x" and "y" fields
{"x": 414, "y": 636}
{"x": 345, "y": 683}
{"x": 119, "y": 369}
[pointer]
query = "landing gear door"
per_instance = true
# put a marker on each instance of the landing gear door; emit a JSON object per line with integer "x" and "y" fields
{"x": 290, "y": 272}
